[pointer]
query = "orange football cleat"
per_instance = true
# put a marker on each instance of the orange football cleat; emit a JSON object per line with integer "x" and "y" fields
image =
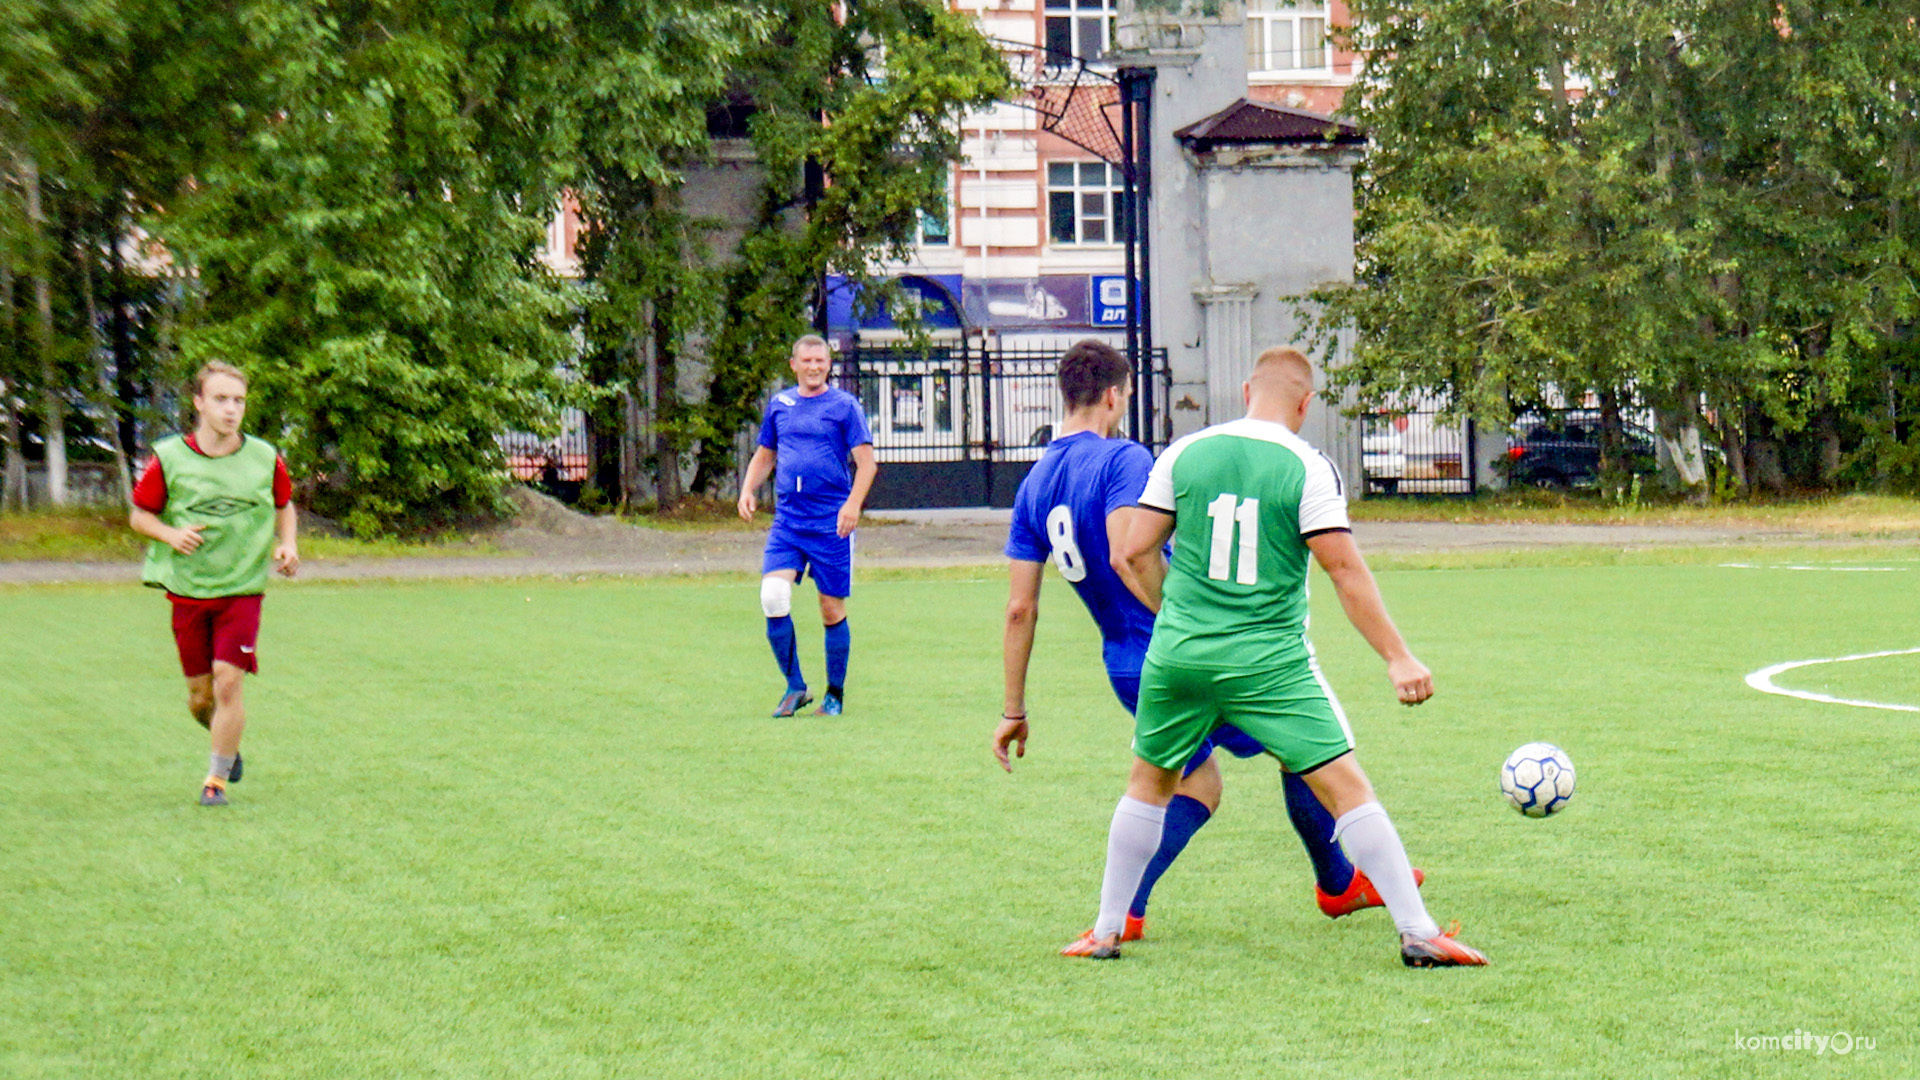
{"x": 1136, "y": 928}
{"x": 1092, "y": 948}
{"x": 1441, "y": 950}
{"x": 1360, "y": 894}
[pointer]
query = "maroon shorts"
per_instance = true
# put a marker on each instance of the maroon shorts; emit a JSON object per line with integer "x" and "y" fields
{"x": 224, "y": 628}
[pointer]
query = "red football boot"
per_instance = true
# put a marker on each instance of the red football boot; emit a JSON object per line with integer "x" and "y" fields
{"x": 1092, "y": 948}
{"x": 1360, "y": 894}
{"x": 1441, "y": 950}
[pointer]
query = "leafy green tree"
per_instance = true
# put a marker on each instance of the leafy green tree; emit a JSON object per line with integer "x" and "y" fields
{"x": 368, "y": 251}
{"x": 45, "y": 85}
{"x": 351, "y": 197}
{"x": 103, "y": 112}
{"x": 853, "y": 124}
{"x": 1721, "y": 225}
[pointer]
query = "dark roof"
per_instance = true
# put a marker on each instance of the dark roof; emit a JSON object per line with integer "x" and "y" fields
{"x": 1247, "y": 121}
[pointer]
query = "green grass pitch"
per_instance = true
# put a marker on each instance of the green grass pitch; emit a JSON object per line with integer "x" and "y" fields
{"x": 548, "y": 830}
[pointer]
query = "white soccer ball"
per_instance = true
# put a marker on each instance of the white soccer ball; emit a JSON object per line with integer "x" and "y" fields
{"x": 1538, "y": 779}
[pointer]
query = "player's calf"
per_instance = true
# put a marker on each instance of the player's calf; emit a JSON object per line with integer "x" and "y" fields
{"x": 200, "y": 700}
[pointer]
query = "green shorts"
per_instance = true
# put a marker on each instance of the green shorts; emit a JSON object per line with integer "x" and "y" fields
{"x": 1290, "y": 709}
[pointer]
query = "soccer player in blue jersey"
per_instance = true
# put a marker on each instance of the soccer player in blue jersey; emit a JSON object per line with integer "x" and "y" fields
{"x": 809, "y": 432}
{"x": 1071, "y": 510}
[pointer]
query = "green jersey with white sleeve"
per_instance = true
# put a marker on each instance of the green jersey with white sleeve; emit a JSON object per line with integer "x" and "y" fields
{"x": 1245, "y": 497}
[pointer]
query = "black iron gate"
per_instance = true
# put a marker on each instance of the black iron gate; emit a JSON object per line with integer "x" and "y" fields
{"x": 957, "y": 426}
{"x": 1418, "y": 450}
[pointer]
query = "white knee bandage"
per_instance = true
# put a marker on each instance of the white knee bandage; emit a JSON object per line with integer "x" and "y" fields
{"x": 776, "y": 596}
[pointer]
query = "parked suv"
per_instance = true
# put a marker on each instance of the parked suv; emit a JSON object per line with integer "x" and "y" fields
{"x": 1563, "y": 450}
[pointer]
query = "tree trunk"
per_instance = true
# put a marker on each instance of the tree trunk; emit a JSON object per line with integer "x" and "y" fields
{"x": 1826, "y": 429}
{"x": 166, "y": 347}
{"x": 55, "y": 420}
{"x": 632, "y": 463}
{"x": 85, "y": 253}
{"x": 663, "y": 385}
{"x": 1763, "y": 462}
{"x": 1763, "y": 454}
{"x": 1734, "y": 449}
{"x": 13, "y": 482}
{"x": 125, "y": 358}
{"x": 1680, "y": 434}
{"x": 13, "y": 486}
{"x": 1612, "y": 461}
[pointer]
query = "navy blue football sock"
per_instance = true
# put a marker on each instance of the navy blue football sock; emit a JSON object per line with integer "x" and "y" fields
{"x": 785, "y": 651}
{"x": 839, "y": 643}
{"x": 1185, "y": 815}
{"x": 1330, "y": 866}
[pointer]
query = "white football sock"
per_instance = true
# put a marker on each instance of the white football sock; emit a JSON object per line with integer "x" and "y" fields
{"x": 1373, "y": 845}
{"x": 1131, "y": 842}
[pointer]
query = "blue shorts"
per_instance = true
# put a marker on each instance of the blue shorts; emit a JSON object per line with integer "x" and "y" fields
{"x": 1225, "y": 737}
{"x": 827, "y": 556}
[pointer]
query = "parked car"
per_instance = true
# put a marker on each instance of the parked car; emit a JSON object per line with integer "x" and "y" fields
{"x": 1563, "y": 450}
{"x": 1383, "y": 458}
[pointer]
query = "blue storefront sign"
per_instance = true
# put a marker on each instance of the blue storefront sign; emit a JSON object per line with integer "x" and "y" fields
{"x": 1109, "y": 300}
{"x": 1051, "y": 301}
{"x": 934, "y": 297}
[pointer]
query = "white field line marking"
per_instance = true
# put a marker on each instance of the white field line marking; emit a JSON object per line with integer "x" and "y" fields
{"x": 1762, "y": 681}
{"x": 1833, "y": 569}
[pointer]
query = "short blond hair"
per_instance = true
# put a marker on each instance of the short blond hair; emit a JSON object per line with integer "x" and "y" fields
{"x": 1288, "y": 355}
{"x": 811, "y": 341}
{"x": 212, "y": 368}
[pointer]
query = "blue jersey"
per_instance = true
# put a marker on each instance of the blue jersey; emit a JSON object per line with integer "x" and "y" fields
{"x": 811, "y": 438}
{"x": 1061, "y": 514}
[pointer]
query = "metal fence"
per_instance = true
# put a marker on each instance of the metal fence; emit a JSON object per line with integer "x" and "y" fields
{"x": 954, "y": 426}
{"x": 1417, "y": 451}
{"x": 552, "y": 463}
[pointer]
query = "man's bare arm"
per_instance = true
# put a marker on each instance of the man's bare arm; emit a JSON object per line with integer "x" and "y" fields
{"x": 286, "y": 554}
{"x": 1136, "y": 555}
{"x": 1340, "y": 557}
{"x": 758, "y": 469}
{"x": 148, "y": 524}
{"x": 1023, "y": 614}
{"x": 865, "y": 468}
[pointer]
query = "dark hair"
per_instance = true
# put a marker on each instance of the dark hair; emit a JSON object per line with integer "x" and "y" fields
{"x": 1088, "y": 370}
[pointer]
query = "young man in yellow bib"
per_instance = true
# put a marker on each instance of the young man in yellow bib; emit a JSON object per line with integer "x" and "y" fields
{"x": 218, "y": 506}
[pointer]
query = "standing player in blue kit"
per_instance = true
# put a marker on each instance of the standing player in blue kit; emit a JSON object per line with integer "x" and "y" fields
{"x": 809, "y": 432}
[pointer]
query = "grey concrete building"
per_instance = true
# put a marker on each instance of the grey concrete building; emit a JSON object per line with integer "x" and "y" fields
{"x": 1252, "y": 206}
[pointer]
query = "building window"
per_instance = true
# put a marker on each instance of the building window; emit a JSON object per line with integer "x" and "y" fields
{"x": 1286, "y": 36}
{"x": 937, "y": 230}
{"x": 1081, "y": 29}
{"x": 1085, "y": 203}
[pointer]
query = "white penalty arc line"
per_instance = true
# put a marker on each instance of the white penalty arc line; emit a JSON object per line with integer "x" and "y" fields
{"x": 1828, "y": 569}
{"x": 1762, "y": 681}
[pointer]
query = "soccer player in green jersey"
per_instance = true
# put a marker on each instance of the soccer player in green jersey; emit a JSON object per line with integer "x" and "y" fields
{"x": 1245, "y": 503}
{"x": 218, "y": 506}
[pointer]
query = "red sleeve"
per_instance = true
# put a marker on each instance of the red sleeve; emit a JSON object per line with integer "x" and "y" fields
{"x": 150, "y": 494}
{"x": 282, "y": 483}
